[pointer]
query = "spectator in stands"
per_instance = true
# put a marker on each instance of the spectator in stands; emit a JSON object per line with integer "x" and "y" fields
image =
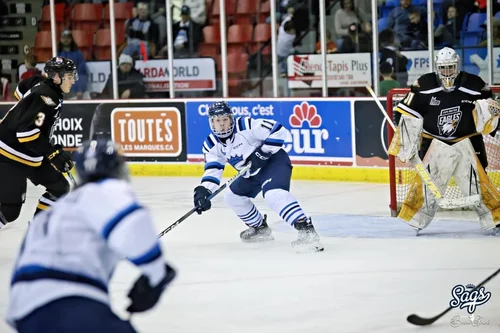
{"x": 141, "y": 30}
{"x": 387, "y": 82}
{"x": 331, "y": 46}
{"x": 130, "y": 80}
{"x": 417, "y": 32}
{"x": 157, "y": 13}
{"x": 69, "y": 49}
{"x": 449, "y": 32}
{"x": 399, "y": 21}
{"x": 186, "y": 36}
{"x": 390, "y": 53}
{"x": 495, "y": 22}
{"x": 30, "y": 63}
{"x": 346, "y": 16}
{"x": 285, "y": 44}
{"x": 198, "y": 11}
{"x": 358, "y": 40}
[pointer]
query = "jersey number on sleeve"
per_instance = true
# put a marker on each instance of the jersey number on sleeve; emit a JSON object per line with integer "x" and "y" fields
{"x": 409, "y": 98}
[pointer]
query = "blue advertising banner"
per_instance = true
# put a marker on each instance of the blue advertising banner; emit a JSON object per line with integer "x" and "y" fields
{"x": 320, "y": 131}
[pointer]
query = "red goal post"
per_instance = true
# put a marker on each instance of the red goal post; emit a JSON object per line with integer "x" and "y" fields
{"x": 401, "y": 174}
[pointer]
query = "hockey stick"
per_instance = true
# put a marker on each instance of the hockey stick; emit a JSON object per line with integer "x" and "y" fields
{"x": 71, "y": 178}
{"x": 415, "y": 160}
{"x": 220, "y": 189}
{"x": 419, "y": 321}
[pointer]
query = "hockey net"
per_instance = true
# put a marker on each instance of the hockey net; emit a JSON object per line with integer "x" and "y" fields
{"x": 402, "y": 174}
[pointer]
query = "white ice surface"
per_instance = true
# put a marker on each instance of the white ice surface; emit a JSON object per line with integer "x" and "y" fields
{"x": 358, "y": 284}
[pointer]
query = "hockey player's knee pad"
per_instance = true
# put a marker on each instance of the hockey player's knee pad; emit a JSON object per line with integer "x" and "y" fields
{"x": 10, "y": 212}
{"x": 278, "y": 198}
{"x": 233, "y": 200}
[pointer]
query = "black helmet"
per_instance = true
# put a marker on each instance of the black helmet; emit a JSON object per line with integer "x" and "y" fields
{"x": 61, "y": 66}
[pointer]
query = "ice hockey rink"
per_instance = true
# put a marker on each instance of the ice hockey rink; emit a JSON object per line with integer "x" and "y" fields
{"x": 373, "y": 273}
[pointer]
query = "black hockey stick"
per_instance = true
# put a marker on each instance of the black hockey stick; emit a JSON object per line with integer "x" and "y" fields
{"x": 188, "y": 214}
{"x": 419, "y": 321}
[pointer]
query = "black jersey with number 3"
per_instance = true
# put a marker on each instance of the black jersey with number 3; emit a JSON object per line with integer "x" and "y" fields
{"x": 26, "y": 129}
{"x": 447, "y": 116}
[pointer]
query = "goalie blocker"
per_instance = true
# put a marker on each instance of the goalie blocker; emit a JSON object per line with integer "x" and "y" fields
{"x": 443, "y": 162}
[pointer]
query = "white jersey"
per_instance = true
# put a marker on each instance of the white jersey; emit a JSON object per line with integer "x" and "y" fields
{"x": 73, "y": 248}
{"x": 249, "y": 134}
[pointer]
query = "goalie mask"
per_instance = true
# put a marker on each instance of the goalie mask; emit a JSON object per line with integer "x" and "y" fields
{"x": 447, "y": 64}
{"x": 221, "y": 119}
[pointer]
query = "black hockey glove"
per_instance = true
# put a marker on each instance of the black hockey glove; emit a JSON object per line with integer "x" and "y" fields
{"x": 201, "y": 200}
{"x": 60, "y": 160}
{"x": 143, "y": 296}
{"x": 258, "y": 159}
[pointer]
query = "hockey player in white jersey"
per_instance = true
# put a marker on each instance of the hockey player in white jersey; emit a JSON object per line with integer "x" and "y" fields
{"x": 260, "y": 142}
{"x": 62, "y": 273}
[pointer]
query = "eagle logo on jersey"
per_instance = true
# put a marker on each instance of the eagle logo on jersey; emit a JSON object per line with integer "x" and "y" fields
{"x": 448, "y": 120}
{"x": 233, "y": 160}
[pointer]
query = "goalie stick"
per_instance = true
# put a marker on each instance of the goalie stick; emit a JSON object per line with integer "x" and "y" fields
{"x": 220, "y": 189}
{"x": 419, "y": 321}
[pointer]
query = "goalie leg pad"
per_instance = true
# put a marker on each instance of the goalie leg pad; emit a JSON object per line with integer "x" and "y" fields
{"x": 420, "y": 204}
{"x": 474, "y": 182}
{"x": 407, "y": 138}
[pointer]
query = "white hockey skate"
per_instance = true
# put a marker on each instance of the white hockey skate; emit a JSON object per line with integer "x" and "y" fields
{"x": 308, "y": 239}
{"x": 261, "y": 233}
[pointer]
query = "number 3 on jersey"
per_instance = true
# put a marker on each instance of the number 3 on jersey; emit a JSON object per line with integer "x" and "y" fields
{"x": 40, "y": 118}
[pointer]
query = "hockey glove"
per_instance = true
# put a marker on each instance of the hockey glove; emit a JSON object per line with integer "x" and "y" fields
{"x": 258, "y": 159}
{"x": 143, "y": 296}
{"x": 201, "y": 200}
{"x": 60, "y": 160}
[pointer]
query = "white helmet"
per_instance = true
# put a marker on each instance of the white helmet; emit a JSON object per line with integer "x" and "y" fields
{"x": 447, "y": 67}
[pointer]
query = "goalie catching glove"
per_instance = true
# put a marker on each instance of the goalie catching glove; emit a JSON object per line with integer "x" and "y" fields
{"x": 60, "y": 160}
{"x": 486, "y": 115}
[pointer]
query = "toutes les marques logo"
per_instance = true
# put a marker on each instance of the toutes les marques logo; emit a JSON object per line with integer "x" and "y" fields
{"x": 469, "y": 297}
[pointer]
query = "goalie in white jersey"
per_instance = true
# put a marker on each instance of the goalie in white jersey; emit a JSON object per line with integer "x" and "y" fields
{"x": 260, "y": 142}
{"x": 61, "y": 277}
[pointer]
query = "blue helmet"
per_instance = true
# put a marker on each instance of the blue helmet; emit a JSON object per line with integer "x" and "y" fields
{"x": 217, "y": 115}
{"x": 98, "y": 159}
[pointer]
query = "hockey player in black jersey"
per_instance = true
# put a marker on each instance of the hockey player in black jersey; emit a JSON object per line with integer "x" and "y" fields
{"x": 26, "y": 151}
{"x": 445, "y": 100}
{"x": 447, "y": 113}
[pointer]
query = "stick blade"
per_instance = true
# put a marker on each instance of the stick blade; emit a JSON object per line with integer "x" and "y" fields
{"x": 419, "y": 321}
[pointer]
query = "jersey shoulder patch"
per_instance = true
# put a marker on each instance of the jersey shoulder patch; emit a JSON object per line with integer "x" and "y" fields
{"x": 209, "y": 142}
{"x": 243, "y": 123}
{"x": 47, "y": 100}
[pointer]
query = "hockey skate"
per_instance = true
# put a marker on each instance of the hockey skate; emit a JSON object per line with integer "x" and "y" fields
{"x": 308, "y": 239}
{"x": 261, "y": 233}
